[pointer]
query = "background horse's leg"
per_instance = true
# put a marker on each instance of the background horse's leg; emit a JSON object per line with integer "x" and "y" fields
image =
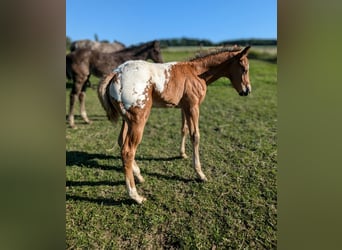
{"x": 192, "y": 117}
{"x": 184, "y": 133}
{"x": 71, "y": 109}
{"x": 75, "y": 92}
{"x": 81, "y": 98}
{"x": 122, "y": 137}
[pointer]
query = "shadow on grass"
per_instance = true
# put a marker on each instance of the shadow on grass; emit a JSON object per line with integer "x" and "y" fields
{"x": 152, "y": 158}
{"x": 89, "y": 160}
{"x": 91, "y": 117}
{"x": 172, "y": 177}
{"x": 100, "y": 201}
{"x": 93, "y": 183}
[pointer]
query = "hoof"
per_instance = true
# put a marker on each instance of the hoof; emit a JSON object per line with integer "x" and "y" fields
{"x": 141, "y": 179}
{"x": 140, "y": 199}
{"x": 184, "y": 156}
{"x": 203, "y": 179}
{"x": 89, "y": 122}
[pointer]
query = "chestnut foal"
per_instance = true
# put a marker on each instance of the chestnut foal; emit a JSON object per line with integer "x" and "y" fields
{"x": 134, "y": 87}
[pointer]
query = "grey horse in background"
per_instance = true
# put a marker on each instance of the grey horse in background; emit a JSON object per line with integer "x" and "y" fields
{"x": 102, "y": 47}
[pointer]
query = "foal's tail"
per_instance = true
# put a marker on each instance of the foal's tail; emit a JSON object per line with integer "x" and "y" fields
{"x": 103, "y": 94}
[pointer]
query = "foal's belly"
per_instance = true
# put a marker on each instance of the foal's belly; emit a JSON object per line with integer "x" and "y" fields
{"x": 160, "y": 102}
{"x": 164, "y": 105}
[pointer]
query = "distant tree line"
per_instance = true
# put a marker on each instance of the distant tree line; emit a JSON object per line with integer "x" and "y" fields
{"x": 68, "y": 42}
{"x": 203, "y": 42}
{"x": 253, "y": 41}
{"x": 184, "y": 42}
{"x": 174, "y": 42}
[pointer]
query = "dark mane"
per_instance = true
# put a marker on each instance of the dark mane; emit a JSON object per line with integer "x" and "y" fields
{"x": 139, "y": 46}
{"x": 203, "y": 54}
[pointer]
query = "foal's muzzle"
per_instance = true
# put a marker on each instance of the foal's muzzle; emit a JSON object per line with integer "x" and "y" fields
{"x": 245, "y": 92}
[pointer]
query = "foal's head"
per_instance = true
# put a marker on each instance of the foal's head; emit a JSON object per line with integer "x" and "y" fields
{"x": 239, "y": 72}
{"x": 155, "y": 53}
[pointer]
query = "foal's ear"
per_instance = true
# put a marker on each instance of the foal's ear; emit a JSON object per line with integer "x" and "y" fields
{"x": 244, "y": 52}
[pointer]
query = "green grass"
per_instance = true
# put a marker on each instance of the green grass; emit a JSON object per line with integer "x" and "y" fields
{"x": 236, "y": 208}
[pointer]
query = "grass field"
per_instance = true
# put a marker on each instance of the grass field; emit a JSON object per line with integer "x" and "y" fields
{"x": 236, "y": 208}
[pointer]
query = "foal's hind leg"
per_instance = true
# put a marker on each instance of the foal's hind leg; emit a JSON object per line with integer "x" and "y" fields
{"x": 134, "y": 136}
{"x": 184, "y": 133}
{"x": 136, "y": 172}
{"x": 121, "y": 139}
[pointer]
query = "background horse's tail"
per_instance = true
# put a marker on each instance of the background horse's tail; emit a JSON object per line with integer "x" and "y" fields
{"x": 103, "y": 94}
{"x": 68, "y": 67}
{"x": 73, "y": 46}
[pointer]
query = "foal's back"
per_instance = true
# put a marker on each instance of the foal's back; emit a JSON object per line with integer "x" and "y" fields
{"x": 135, "y": 78}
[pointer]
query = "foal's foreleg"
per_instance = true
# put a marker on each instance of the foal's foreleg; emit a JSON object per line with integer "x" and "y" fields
{"x": 192, "y": 118}
{"x": 184, "y": 133}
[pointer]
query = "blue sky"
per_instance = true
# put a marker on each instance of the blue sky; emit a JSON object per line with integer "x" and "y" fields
{"x": 136, "y": 21}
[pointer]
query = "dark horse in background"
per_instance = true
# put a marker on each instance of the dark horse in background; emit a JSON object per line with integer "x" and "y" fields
{"x": 81, "y": 63}
{"x": 103, "y": 47}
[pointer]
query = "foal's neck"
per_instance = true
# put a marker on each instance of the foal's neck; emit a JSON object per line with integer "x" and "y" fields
{"x": 213, "y": 67}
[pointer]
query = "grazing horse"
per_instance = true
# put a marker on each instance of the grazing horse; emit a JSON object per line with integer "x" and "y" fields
{"x": 99, "y": 46}
{"x": 80, "y": 64}
{"x": 134, "y": 87}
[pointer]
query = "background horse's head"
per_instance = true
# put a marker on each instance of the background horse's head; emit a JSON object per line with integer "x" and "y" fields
{"x": 239, "y": 73}
{"x": 155, "y": 53}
